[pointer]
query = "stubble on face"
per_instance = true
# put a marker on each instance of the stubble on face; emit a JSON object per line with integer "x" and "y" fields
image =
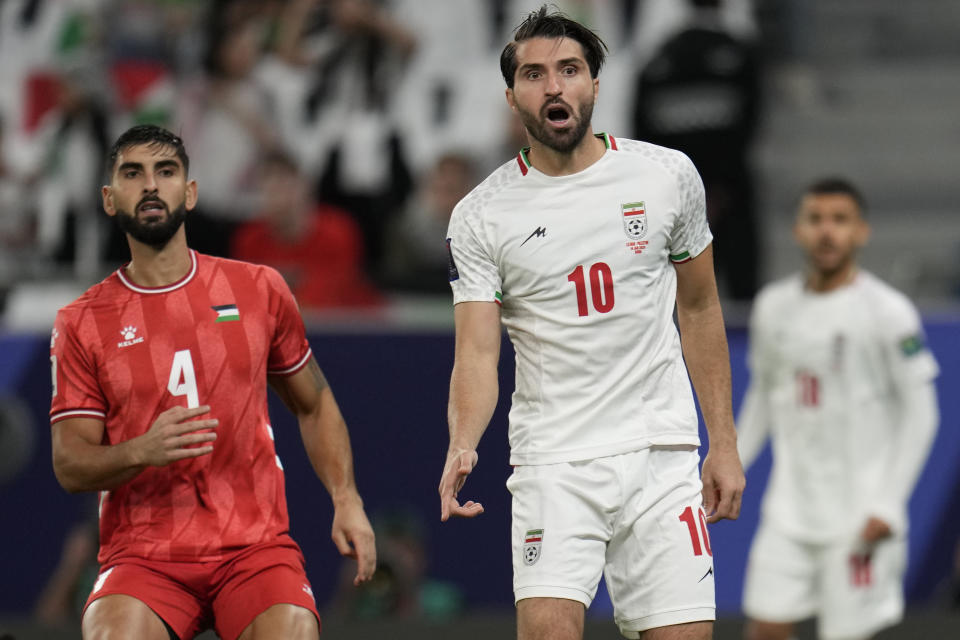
{"x": 561, "y": 141}
{"x": 154, "y": 231}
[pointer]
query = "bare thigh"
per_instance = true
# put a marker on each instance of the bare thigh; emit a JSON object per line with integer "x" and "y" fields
{"x": 282, "y": 622}
{"x": 549, "y": 618}
{"x": 120, "y": 616}
{"x": 686, "y": 631}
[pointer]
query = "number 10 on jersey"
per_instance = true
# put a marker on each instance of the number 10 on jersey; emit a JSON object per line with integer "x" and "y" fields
{"x": 601, "y": 287}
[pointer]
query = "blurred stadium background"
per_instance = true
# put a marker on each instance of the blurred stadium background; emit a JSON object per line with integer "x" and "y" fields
{"x": 365, "y": 96}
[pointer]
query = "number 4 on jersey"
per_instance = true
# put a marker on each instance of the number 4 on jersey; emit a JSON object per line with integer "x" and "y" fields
{"x": 183, "y": 381}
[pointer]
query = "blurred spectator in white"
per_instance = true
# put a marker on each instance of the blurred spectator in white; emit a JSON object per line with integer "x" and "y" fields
{"x": 337, "y": 118}
{"x": 316, "y": 246}
{"x": 452, "y": 93}
{"x": 227, "y": 114}
{"x": 417, "y": 253}
{"x": 17, "y": 224}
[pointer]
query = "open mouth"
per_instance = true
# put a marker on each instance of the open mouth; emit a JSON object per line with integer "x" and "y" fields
{"x": 151, "y": 207}
{"x": 558, "y": 114}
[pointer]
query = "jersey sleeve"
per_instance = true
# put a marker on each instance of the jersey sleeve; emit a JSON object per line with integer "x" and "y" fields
{"x": 289, "y": 349}
{"x": 473, "y": 272}
{"x": 904, "y": 343}
{"x": 73, "y": 372}
{"x": 753, "y": 420}
{"x": 691, "y": 233}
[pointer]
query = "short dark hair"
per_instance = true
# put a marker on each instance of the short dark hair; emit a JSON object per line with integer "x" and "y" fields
{"x": 541, "y": 24}
{"x": 148, "y": 134}
{"x": 836, "y": 185}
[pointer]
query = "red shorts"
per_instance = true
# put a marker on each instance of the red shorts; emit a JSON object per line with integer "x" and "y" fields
{"x": 224, "y": 594}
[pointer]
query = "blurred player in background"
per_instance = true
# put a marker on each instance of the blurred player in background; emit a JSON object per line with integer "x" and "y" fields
{"x": 842, "y": 382}
{"x": 582, "y": 246}
{"x": 160, "y": 379}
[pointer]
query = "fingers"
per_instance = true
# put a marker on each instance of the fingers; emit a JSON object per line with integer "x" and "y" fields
{"x": 727, "y": 505}
{"x": 193, "y": 425}
{"x": 458, "y": 467}
{"x": 366, "y": 553}
{"x": 358, "y": 544}
{"x": 452, "y": 508}
{"x": 179, "y": 414}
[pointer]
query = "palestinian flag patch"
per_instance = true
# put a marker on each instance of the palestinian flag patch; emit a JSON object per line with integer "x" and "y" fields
{"x": 226, "y": 312}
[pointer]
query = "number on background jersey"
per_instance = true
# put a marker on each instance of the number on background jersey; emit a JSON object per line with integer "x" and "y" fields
{"x": 183, "y": 381}
{"x": 695, "y": 536}
{"x": 53, "y": 373}
{"x": 601, "y": 287}
{"x": 808, "y": 389}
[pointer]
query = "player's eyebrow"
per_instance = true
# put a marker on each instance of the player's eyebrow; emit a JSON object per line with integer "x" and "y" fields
{"x": 537, "y": 66}
{"x": 160, "y": 164}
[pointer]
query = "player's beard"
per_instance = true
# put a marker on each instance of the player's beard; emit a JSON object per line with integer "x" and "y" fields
{"x": 153, "y": 233}
{"x": 560, "y": 141}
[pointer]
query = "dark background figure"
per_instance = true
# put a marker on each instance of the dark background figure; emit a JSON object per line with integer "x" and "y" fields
{"x": 417, "y": 255}
{"x": 700, "y": 93}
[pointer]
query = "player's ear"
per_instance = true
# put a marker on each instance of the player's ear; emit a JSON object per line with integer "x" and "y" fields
{"x": 862, "y": 233}
{"x": 107, "y": 194}
{"x": 190, "y": 197}
{"x": 511, "y": 100}
{"x": 596, "y": 89}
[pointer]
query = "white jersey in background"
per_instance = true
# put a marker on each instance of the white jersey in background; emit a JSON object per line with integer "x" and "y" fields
{"x": 582, "y": 266}
{"x": 832, "y": 375}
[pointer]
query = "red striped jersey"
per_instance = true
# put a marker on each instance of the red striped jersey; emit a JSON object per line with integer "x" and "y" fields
{"x": 123, "y": 354}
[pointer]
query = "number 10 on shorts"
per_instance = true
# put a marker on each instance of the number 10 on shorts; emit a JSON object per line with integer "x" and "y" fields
{"x": 696, "y": 536}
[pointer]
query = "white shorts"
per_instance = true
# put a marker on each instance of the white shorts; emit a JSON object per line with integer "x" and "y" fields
{"x": 637, "y": 518}
{"x": 853, "y": 592}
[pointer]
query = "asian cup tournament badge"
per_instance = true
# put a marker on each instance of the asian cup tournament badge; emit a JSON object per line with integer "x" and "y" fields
{"x": 634, "y": 219}
{"x": 531, "y": 546}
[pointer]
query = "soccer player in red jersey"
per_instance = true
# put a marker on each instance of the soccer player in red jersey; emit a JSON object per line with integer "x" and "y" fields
{"x": 160, "y": 378}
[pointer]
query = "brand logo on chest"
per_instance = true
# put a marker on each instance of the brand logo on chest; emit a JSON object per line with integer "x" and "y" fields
{"x": 130, "y": 338}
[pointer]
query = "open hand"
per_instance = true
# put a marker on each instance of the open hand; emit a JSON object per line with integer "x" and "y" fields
{"x": 174, "y": 435}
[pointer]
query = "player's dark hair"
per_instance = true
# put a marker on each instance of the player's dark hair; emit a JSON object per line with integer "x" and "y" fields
{"x": 834, "y": 185}
{"x": 543, "y": 24}
{"x": 151, "y": 135}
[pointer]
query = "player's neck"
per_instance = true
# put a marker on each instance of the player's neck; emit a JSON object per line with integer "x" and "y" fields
{"x": 151, "y": 267}
{"x": 824, "y": 282}
{"x": 556, "y": 163}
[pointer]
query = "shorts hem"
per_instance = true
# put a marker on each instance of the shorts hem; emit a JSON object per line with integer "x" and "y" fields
{"x": 564, "y": 593}
{"x": 793, "y": 616}
{"x": 633, "y": 628}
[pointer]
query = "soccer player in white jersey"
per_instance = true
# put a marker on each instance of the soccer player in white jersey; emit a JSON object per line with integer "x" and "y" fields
{"x": 843, "y": 384}
{"x": 582, "y": 246}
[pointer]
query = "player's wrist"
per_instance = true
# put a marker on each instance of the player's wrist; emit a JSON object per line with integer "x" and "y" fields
{"x": 346, "y": 497}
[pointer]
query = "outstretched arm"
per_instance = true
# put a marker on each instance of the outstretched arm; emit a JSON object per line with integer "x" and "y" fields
{"x": 325, "y": 438}
{"x": 705, "y": 350}
{"x": 474, "y": 387}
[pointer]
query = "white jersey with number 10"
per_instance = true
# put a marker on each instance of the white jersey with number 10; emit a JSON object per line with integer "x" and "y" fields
{"x": 583, "y": 268}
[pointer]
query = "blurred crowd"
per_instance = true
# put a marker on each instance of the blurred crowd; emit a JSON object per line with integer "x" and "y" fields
{"x": 332, "y": 138}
